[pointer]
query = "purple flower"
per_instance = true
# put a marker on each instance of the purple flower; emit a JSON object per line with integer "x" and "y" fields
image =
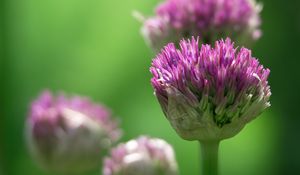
{"x": 69, "y": 135}
{"x": 147, "y": 156}
{"x": 209, "y": 19}
{"x": 209, "y": 93}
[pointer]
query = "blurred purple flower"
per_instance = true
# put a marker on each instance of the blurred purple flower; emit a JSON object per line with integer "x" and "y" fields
{"x": 69, "y": 135}
{"x": 147, "y": 156}
{"x": 209, "y": 19}
{"x": 209, "y": 93}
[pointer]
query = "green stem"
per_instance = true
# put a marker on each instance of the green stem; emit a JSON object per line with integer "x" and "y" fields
{"x": 209, "y": 153}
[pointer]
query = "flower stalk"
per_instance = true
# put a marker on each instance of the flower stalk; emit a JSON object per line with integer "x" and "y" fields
{"x": 209, "y": 156}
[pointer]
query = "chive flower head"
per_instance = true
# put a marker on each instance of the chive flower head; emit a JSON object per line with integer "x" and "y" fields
{"x": 209, "y": 19}
{"x": 144, "y": 155}
{"x": 209, "y": 93}
{"x": 69, "y": 135}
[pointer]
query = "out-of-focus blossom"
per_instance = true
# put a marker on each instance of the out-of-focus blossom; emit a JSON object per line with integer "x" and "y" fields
{"x": 69, "y": 135}
{"x": 142, "y": 156}
{"x": 209, "y": 19}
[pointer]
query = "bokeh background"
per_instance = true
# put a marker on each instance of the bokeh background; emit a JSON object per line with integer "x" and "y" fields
{"x": 94, "y": 48}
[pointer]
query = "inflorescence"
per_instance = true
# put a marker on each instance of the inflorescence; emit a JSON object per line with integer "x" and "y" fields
{"x": 209, "y": 93}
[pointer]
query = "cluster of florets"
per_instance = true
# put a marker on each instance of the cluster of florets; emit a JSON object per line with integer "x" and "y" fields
{"x": 70, "y": 134}
{"x": 209, "y": 93}
{"x": 147, "y": 156}
{"x": 211, "y": 20}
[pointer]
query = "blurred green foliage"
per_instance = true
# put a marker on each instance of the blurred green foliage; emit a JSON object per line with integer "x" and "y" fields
{"x": 93, "y": 48}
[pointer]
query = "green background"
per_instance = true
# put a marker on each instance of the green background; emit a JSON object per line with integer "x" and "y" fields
{"x": 94, "y": 48}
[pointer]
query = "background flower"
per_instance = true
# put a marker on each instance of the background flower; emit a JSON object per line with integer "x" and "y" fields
{"x": 69, "y": 135}
{"x": 143, "y": 155}
{"x": 209, "y": 19}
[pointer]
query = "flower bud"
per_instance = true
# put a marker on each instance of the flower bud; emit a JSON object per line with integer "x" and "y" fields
{"x": 209, "y": 19}
{"x": 69, "y": 135}
{"x": 209, "y": 93}
{"x": 147, "y": 156}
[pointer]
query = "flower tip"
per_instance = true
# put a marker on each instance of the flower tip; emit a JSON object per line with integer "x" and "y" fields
{"x": 138, "y": 16}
